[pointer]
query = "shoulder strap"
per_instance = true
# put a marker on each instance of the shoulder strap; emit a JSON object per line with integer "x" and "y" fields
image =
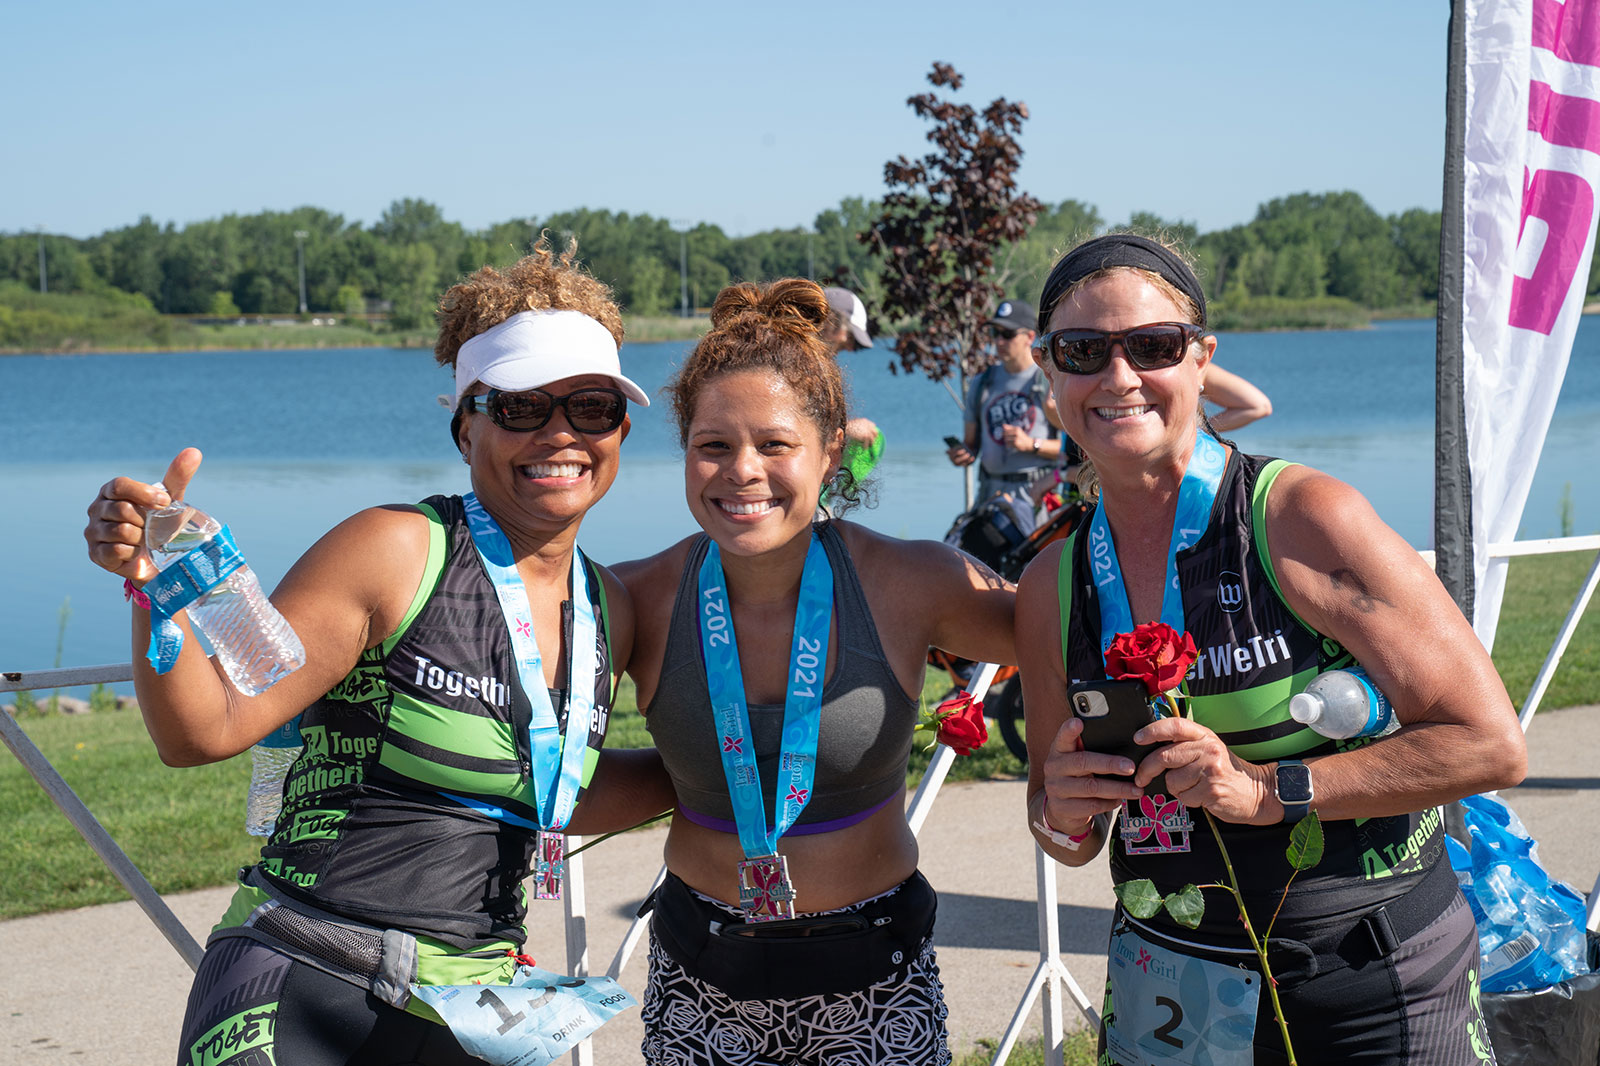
{"x": 605, "y": 617}
{"x": 1258, "y": 529}
{"x": 432, "y": 571}
{"x": 984, "y": 385}
{"x": 1064, "y": 565}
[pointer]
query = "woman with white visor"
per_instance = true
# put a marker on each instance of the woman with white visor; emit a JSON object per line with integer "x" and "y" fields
{"x": 461, "y": 655}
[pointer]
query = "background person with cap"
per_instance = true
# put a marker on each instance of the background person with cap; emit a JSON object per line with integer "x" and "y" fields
{"x": 846, "y": 330}
{"x": 1010, "y": 425}
{"x": 411, "y": 819}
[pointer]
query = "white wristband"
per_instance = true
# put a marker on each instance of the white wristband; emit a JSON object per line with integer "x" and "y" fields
{"x": 1057, "y": 837}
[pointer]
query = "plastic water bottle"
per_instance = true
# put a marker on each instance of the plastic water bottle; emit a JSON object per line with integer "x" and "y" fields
{"x": 255, "y": 645}
{"x": 1342, "y": 704}
{"x": 1509, "y": 953}
{"x": 270, "y": 760}
{"x": 1498, "y": 893}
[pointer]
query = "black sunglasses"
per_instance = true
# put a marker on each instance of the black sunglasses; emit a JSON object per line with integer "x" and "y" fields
{"x": 1001, "y": 333}
{"x": 1150, "y": 347}
{"x": 593, "y": 410}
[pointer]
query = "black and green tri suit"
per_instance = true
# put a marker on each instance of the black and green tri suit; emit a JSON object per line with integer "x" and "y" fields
{"x": 384, "y": 817}
{"x": 1254, "y": 653}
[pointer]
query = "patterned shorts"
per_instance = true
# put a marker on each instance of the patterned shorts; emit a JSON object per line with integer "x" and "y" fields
{"x": 899, "y": 1022}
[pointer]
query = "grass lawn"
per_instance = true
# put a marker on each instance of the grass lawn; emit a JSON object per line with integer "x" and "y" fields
{"x": 185, "y": 828}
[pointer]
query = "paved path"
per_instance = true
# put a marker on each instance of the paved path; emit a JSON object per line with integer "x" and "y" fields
{"x": 100, "y": 985}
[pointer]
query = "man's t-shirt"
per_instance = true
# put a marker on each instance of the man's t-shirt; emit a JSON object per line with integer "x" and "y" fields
{"x": 997, "y": 399}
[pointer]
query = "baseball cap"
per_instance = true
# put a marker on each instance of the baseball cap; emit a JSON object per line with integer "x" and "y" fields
{"x": 1015, "y": 314}
{"x": 852, "y": 310}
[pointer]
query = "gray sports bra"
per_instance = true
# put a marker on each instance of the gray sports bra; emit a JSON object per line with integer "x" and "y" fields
{"x": 867, "y": 718}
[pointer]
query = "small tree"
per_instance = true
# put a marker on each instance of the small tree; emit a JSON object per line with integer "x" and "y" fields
{"x": 941, "y": 225}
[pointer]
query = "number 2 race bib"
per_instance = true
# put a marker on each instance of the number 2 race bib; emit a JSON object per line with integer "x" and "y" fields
{"x": 1172, "y": 1009}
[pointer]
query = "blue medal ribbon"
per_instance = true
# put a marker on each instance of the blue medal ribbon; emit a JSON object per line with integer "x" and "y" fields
{"x": 1196, "y": 494}
{"x": 184, "y": 581}
{"x": 802, "y": 701}
{"x": 557, "y": 765}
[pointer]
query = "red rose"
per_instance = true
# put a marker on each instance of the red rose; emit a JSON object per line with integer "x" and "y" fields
{"x": 1154, "y": 653}
{"x": 961, "y": 724}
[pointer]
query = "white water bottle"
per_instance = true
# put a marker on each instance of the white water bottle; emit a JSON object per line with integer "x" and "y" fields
{"x": 1342, "y": 704}
{"x": 255, "y": 645}
{"x": 270, "y": 760}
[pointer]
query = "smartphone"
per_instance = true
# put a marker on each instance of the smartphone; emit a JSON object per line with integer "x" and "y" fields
{"x": 1112, "y": 712}
{"x": 954, "y": 442}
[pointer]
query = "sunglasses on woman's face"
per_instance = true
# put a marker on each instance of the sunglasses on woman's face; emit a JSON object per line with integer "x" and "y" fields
{"x": 1151, "y": 347}
{"x": 594, "y": 410}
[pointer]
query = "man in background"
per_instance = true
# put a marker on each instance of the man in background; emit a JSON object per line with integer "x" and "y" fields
{"x": 1010, "y": 428}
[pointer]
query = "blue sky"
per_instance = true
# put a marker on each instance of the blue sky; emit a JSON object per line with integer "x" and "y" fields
{"x": 749, "y": 117}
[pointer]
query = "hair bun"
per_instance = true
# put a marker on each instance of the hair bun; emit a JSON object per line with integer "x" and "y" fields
{"x": 796, "y": 305}
{"x": 734, "y": 301}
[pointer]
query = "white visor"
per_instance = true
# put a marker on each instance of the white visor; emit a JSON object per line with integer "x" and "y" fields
{"x": 533, "y": 348}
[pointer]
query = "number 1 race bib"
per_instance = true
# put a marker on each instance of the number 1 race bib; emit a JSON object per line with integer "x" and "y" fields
{"x": 1172, "y": 1009}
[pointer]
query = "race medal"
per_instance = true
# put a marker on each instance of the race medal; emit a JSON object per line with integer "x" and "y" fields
{"x": 549, "y": 865}
{"x": 765, "y": 891}
{"x": 1155, "y": 825}
{"x": 1173, "y": 1009}
{"x": 556, "y": 769}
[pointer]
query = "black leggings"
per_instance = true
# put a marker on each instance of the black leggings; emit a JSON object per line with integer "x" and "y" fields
{"x": 252, "y": 1006}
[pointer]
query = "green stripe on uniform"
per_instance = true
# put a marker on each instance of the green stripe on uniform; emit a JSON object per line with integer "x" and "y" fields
{"x": 455, "y": 731}
{"x": 1263, "y": 707}
{"x": 449, "y": 778}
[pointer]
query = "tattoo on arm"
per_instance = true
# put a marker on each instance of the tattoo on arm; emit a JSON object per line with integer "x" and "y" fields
{"x": 1364, "y": 600}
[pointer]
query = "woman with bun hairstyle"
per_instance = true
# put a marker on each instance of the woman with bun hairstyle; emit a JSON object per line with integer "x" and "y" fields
{"x": 439, "y": 754}
{"x": 779, "y": 662}
{"x": 1279, "y": 573}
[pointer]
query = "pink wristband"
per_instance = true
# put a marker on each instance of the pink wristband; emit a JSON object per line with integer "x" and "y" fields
{"x": 130, "y": 591}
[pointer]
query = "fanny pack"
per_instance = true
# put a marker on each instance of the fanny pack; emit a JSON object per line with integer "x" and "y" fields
{"x": 1373, "y": 936}
{"x": 842, "y": 951}
{"x": 383, "y": 961}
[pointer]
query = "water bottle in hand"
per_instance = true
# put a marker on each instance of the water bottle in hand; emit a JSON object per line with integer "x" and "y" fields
{"x": 270, "y": 760}
{"x": 1342, "y": 704}
{"x": 252, "y": 641}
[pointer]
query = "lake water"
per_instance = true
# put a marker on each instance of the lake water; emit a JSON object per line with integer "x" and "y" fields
{"x": 296, "y": 441}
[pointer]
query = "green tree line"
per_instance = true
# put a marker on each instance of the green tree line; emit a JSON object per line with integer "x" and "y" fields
{"x": 1331, "y": 250}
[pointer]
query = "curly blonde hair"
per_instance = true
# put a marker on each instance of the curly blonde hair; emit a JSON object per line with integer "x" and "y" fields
{"x": 542, "y": 280}
{"x": 775, "y": 327}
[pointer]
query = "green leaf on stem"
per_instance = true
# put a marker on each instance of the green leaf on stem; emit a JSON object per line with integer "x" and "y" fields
{"x": 1187, "y": 906}
{"x": 1139, "y": 898}
{"x": 1305, "y": 842}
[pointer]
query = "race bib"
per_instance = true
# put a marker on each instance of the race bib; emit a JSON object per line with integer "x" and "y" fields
{"x": 1172, "y": 1009}
{"x": 537, "y": 1018}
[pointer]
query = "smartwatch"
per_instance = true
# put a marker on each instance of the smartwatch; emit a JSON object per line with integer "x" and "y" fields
{"x": 1294, "y": 789}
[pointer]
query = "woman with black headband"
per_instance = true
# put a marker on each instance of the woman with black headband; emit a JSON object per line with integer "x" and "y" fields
{"x": 1278, "y": 572}
{"x": 444, "y": 754}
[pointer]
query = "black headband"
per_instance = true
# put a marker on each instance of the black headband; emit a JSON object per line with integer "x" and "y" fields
{"x": 1118, "y": 250}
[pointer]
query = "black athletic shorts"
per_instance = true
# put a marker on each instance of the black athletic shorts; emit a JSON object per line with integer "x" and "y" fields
{"x": 253, "y": 1006}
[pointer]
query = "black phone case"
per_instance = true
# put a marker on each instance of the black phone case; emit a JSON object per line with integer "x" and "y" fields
{"x": 1127, "y": 711}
